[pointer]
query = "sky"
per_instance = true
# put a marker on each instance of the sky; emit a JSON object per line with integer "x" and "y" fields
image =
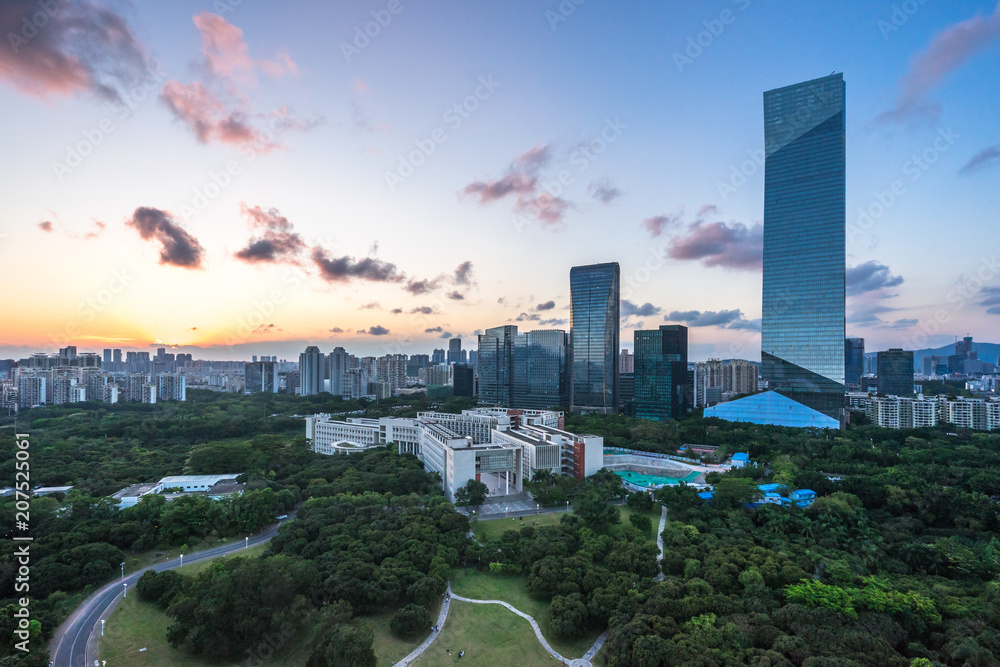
{"x": 231, "y": 178}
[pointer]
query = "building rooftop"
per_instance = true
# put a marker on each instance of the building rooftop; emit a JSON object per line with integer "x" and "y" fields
{"x": 135, "y": 491}
{"x": 181, "y": 480}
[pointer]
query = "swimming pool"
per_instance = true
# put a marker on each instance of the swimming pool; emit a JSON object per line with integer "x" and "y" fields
{"x": 652, "y": 481}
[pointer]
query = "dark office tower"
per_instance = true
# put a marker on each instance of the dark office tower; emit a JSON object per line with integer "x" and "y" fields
{"x": 259, "y": 377}
{"x": 463, "y": 381}
{"x": 895, "y": 372}
{"x": 337, "y": 365}
{"x": 496, "y": 348}
{"x": 107, "y": 356}
{"x": 802, "y": 334}
{"x": 661, "y": 373}
{"x": 854, "y": 361}
{"x": 540, "y": 366}
{"x": 116, "y": 356}
{"x": 455, "y": 351}
{"x": 437, "y": 357}
{"x": 594, "y": 322}
{"x": 311, "y": 371}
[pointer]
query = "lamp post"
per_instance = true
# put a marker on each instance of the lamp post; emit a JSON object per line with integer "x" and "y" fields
{"x": 123, "y": 571}
{"x": 182, "y": 560}
{"x": 536, "y": 508}
{"x": 102, "y": 627}
{"x": 126, "y": 590}
{"x": 246, "y": 543}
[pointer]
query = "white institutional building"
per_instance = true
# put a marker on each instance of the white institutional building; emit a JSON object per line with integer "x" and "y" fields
{"x": 499, "y": 447}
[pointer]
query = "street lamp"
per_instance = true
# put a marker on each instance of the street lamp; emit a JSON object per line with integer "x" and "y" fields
{"x": 102, "y": 627}
{"x": 123, "y": 571}
{"x": 536, "y": 508}
{"x": 182, "y": 560}
{"x": 246, "y": 543}
{"x": 126, "y": 590}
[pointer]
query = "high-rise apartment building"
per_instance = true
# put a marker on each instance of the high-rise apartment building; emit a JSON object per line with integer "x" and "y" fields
{"x": 626, "y": 362}
{"x": 802, "y": 333}
{"x": 312, "y": 371}
{"x": 594, "y": 337}
{"x": 338, "y": 363}
{"x": 661, "y": 374}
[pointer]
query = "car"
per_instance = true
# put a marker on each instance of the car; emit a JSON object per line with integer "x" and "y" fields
{"x": 282, "y": 517}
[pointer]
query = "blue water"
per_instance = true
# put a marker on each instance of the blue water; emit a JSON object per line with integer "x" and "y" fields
{"x": 650, "y": 481}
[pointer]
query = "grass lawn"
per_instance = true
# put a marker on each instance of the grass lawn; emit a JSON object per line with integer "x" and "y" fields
{"x": 388, "y": 647}
{"x": 141, "y": 560}
{"x": 495, "y": 528}
{"x": 194, "y": 568}
{"x": 490, "y": 635}
{"x": 654, "y": 517}
{"x": 136, "y": 624}
{"x": 513, "y": 590}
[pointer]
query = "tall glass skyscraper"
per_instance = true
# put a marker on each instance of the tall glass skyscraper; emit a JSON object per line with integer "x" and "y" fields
{"x": 540, "y": 370}
{"x": 594, "y": 348}
{"x": 854, "y": 360}
{"x": 661, "y": 373}
{"x": 496, "y": 348}
{"x": 802, "y": 339}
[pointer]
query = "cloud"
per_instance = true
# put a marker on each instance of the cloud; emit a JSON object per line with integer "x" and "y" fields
{"x": 178, "y": 247}
{"x": 548, "y": 305}
{"x": 83, "y": 46}
{"x": 456, "y": 296}
{"x": 45, "y": 225}
{"x": 422, "y": 310}
{"x": 98, "y": 229}
{"x": 555, "y": 321}
{"x": 867, "y": 314}
{"x": 629, "y": 309}
{"x": 525, "y": 317}
{"x": 603, "y": 191}
{"x": 463, "y": 273}
{"x": 396, "y": 311}
{"x": 336, "y": 330}
{"x": 708, "y": 318}
{"x": 433, "y": 330}
{"x": 377, "y": 330}
{"x": 990, "y": 300}
{"x": 278, "y": 243}
{"x": 265, "y": 329}
{"x": 521, "y": 180}
{"x": 342, "y": 269}
{"x": 216, "y": 109}
{"x": 731, "y": 246}
{"x": 870, "y": 277}
{"x": 948, "y": 51}
{"x": 659, "y": 223}
{"x": 446, "y": 334}
{"x": 984, "y": 159}
{"x": 370, "y": 306}
{"x": 418, "y": 287}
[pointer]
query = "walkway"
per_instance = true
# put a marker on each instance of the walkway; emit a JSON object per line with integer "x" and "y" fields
{"x": 659, "y": 540}
{"x": 585, "y": 661}
{"x": 442, "y": 617}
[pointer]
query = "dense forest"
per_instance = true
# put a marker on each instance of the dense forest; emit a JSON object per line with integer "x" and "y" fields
{"x": 896, "y": 563}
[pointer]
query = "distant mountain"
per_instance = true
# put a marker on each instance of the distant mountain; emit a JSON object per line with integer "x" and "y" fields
{"x": 986, "y": 351}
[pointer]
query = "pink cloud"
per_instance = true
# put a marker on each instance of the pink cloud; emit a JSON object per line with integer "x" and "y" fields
{"x": 949, "y": 50}
{"x": 205, "y": 114}
{"x": 731, "y": 246}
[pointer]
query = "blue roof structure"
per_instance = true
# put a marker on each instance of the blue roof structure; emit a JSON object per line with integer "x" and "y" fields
{"x": 771, "y": 408}
{"x": 769, "y": 488}
{"x": 741, "y": 457}
{"x": 705, "y": 495}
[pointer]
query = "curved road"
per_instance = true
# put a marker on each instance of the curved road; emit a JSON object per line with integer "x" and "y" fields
{"x": 75, "y": 642}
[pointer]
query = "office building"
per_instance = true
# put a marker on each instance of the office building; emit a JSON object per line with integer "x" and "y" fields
{"x": 455, "y": 351}
{"x": 661, "y": 373}
{"x": 496, "y": 350}
{"x": 107, "y": 356}
{"x": 802, "y": 335}
{"x": 854, "y": 361}
{"x": 463, "y": 380}
{"x": 895, "y": 372}
{"x": 540, "y": 366}
{"x": 594, "y": 337}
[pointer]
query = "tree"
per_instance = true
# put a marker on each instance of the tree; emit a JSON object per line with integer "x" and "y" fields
{"x": 568, "y": 616}
{"x": 640, "y": 500}
{"x": 410, "y": 621}
{"x": 473, "y": 493}
{"x": 641, "y": 521}
{"x": 733, "y": 493}
{"x": 595, "y": 511}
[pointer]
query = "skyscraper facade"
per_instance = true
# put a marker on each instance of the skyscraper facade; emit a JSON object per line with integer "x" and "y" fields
{"x": 496, "y": 347}
{"x": 895, "y": 372}
{"x": 337, "y": 363}
{"x": 802, "y": 334}
{"x": 540, "y": 368}
{"x": 594, "y": 344}
{"x": 661, "y": 375}
{"x": 455, "y": 351}
{"x": 854, "y": 361}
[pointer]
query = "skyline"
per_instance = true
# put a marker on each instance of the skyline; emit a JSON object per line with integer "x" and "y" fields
{"x": 308, "y": 233}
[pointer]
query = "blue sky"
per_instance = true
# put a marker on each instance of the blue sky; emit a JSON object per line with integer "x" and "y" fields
{"x": 319, "y": 224}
